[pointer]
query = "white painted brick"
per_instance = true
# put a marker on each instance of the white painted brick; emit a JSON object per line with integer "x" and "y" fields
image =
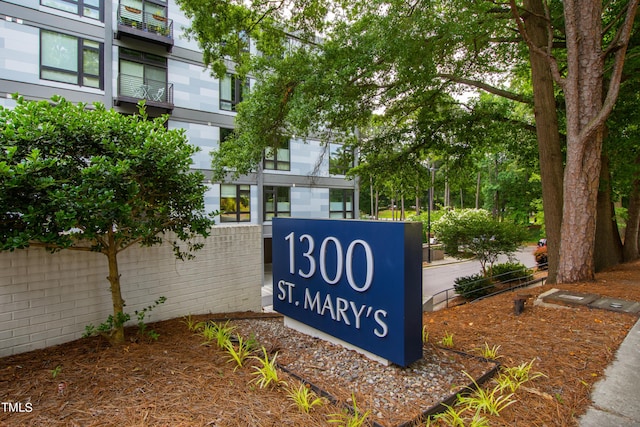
{"x": 30, "y": 312}
{"x": 68, "y": 290}
{"x": 60, "y": 307}
{"x": 20, "y": 346}
{"x": 43, "y": 301}
{"x": 45, "y": 318}
{"x": 12, "y": 325}
{"x": 14, "y": 341}
{"x": 62, "y": 323}
{"x": 41, "y": 336}
{"x": 14, "y": 306}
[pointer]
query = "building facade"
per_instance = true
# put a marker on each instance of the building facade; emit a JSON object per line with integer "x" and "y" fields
{"x": 119, "y": 52}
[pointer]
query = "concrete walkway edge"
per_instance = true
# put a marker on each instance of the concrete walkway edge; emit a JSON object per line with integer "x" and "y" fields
{"x": 614, "y": 398}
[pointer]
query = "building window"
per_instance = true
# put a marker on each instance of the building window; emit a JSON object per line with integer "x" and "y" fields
{"x": 235, "y": 203}
{"x": 340, "y": 203}
{"x": 69, "y": 59}
{"x": 93, "y": 9}
{"x": 143, "y": 75}
{"x": 231, "y": 92}
{"x": 148, "y": 15}
{"x": 341, "y": 159}
{"x": 278, "y": 158}
{"x": 225, "y": 133}
{"x": 277, "y": 202}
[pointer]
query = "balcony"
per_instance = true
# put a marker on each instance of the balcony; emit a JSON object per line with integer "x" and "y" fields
{"x": 146, "y": 26}
{"x": 132, "y": 89}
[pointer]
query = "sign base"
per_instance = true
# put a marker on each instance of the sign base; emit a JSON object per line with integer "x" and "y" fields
{"x": 313, "y": 332}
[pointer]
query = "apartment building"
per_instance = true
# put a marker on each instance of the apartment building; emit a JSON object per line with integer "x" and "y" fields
{"x": 118, "y": 53}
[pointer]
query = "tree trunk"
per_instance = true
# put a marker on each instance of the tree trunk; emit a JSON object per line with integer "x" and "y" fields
{"x": 583, "y": 94}
{"x": 609, "y": 245}
{"x": 630, "y": 249}
{"x": 117, "y": 336}
{"x": 548, "y": 134}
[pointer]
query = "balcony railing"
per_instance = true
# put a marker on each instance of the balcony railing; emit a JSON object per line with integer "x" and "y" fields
{"x": 132, "y": 89}
{"x": 145, "y": 25}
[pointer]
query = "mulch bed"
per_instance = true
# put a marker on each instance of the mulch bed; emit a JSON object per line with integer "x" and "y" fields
{"x": 178, "y": 382}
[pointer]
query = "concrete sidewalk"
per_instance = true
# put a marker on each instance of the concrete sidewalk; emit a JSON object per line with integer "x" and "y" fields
{"x": 616, "y": 397}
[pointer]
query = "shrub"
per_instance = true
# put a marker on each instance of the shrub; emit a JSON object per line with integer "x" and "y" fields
{"x": 541, "y": 257}
{"x": 465, "y": 232}
{"x": 474, "y": 286}
{"x": 510, "y": 271}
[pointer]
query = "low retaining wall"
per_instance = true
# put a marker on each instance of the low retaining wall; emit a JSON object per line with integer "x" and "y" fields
{"x": 48, "y": 299}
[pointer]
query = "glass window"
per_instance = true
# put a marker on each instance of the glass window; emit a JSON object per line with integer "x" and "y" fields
{"x": 225, "y": 133}
{"x": 235, "y": 203}
{"x": 90, "y": 8}
{"x": 142, "y": 75}
{"x": 277, "y": 202}
{"x": 278, "y": 158}
{"x": 231, "y": 92}
{"x": 340, "y": 159}
{"x": 69, "y": 59}
{"x": 340, "y": 203}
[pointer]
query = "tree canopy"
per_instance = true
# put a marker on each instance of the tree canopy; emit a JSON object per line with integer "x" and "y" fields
{"x": 91, "y": 179}
{"x": 407, "y": 63}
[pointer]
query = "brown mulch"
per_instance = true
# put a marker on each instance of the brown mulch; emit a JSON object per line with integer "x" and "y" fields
{"x": 176, "y": 381}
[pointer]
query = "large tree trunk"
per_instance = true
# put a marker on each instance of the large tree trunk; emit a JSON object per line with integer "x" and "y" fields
{"x": 630, "y": 249}
{"x": 117, "y": 335}
{"x": 549, "y": 143}
{"x": 609, "y": 245}
{"x": 583, "y": 94}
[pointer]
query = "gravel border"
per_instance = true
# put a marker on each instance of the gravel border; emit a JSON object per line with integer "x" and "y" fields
{"x": 395, "y": 396}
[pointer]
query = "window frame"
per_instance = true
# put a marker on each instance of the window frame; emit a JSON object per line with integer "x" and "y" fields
{"x": 81, "y": 5}
{"x": 275, "y": 192}
{"x": 80, "y": 73}
{"x": 334, "y": 167}
{"x": 345, "y": 194}
{"x": 240, "y": 214}
{"x": 238, "y": 86}
{"x": 225, "y": 133}
{"x": 275, "y": 161}
{"x": 146, "y": 60}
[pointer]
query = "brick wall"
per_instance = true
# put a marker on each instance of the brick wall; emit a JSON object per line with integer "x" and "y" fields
{"x": 48, "y": 299}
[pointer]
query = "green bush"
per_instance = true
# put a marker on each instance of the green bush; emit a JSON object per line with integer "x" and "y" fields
{"x": 541, "y": 257}
{"x": 474, "y": 286}
{"x": 510, "y": 271}
{"x": 424, "y": 217}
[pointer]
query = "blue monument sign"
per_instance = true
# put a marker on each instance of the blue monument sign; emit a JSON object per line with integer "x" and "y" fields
{"x": 358, "y": 281}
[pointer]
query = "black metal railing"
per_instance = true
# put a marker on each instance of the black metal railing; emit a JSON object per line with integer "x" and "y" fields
{"x": 141, "y": 88}
{"x": 150, "y": 22}
{"x": 446, "y": 296}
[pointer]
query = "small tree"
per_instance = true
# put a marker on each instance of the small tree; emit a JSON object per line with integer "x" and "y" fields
{"x": 475, "y": 232}
{"x": 96, "y": 180}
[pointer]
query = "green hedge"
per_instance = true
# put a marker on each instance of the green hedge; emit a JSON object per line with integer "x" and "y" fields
{"x": 510, "y": 271}
{"x": 474, "y": 286}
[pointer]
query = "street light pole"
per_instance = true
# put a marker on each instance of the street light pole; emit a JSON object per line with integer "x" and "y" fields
{"x": 429, "y": 228}
{"x": 433, "y": 175}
